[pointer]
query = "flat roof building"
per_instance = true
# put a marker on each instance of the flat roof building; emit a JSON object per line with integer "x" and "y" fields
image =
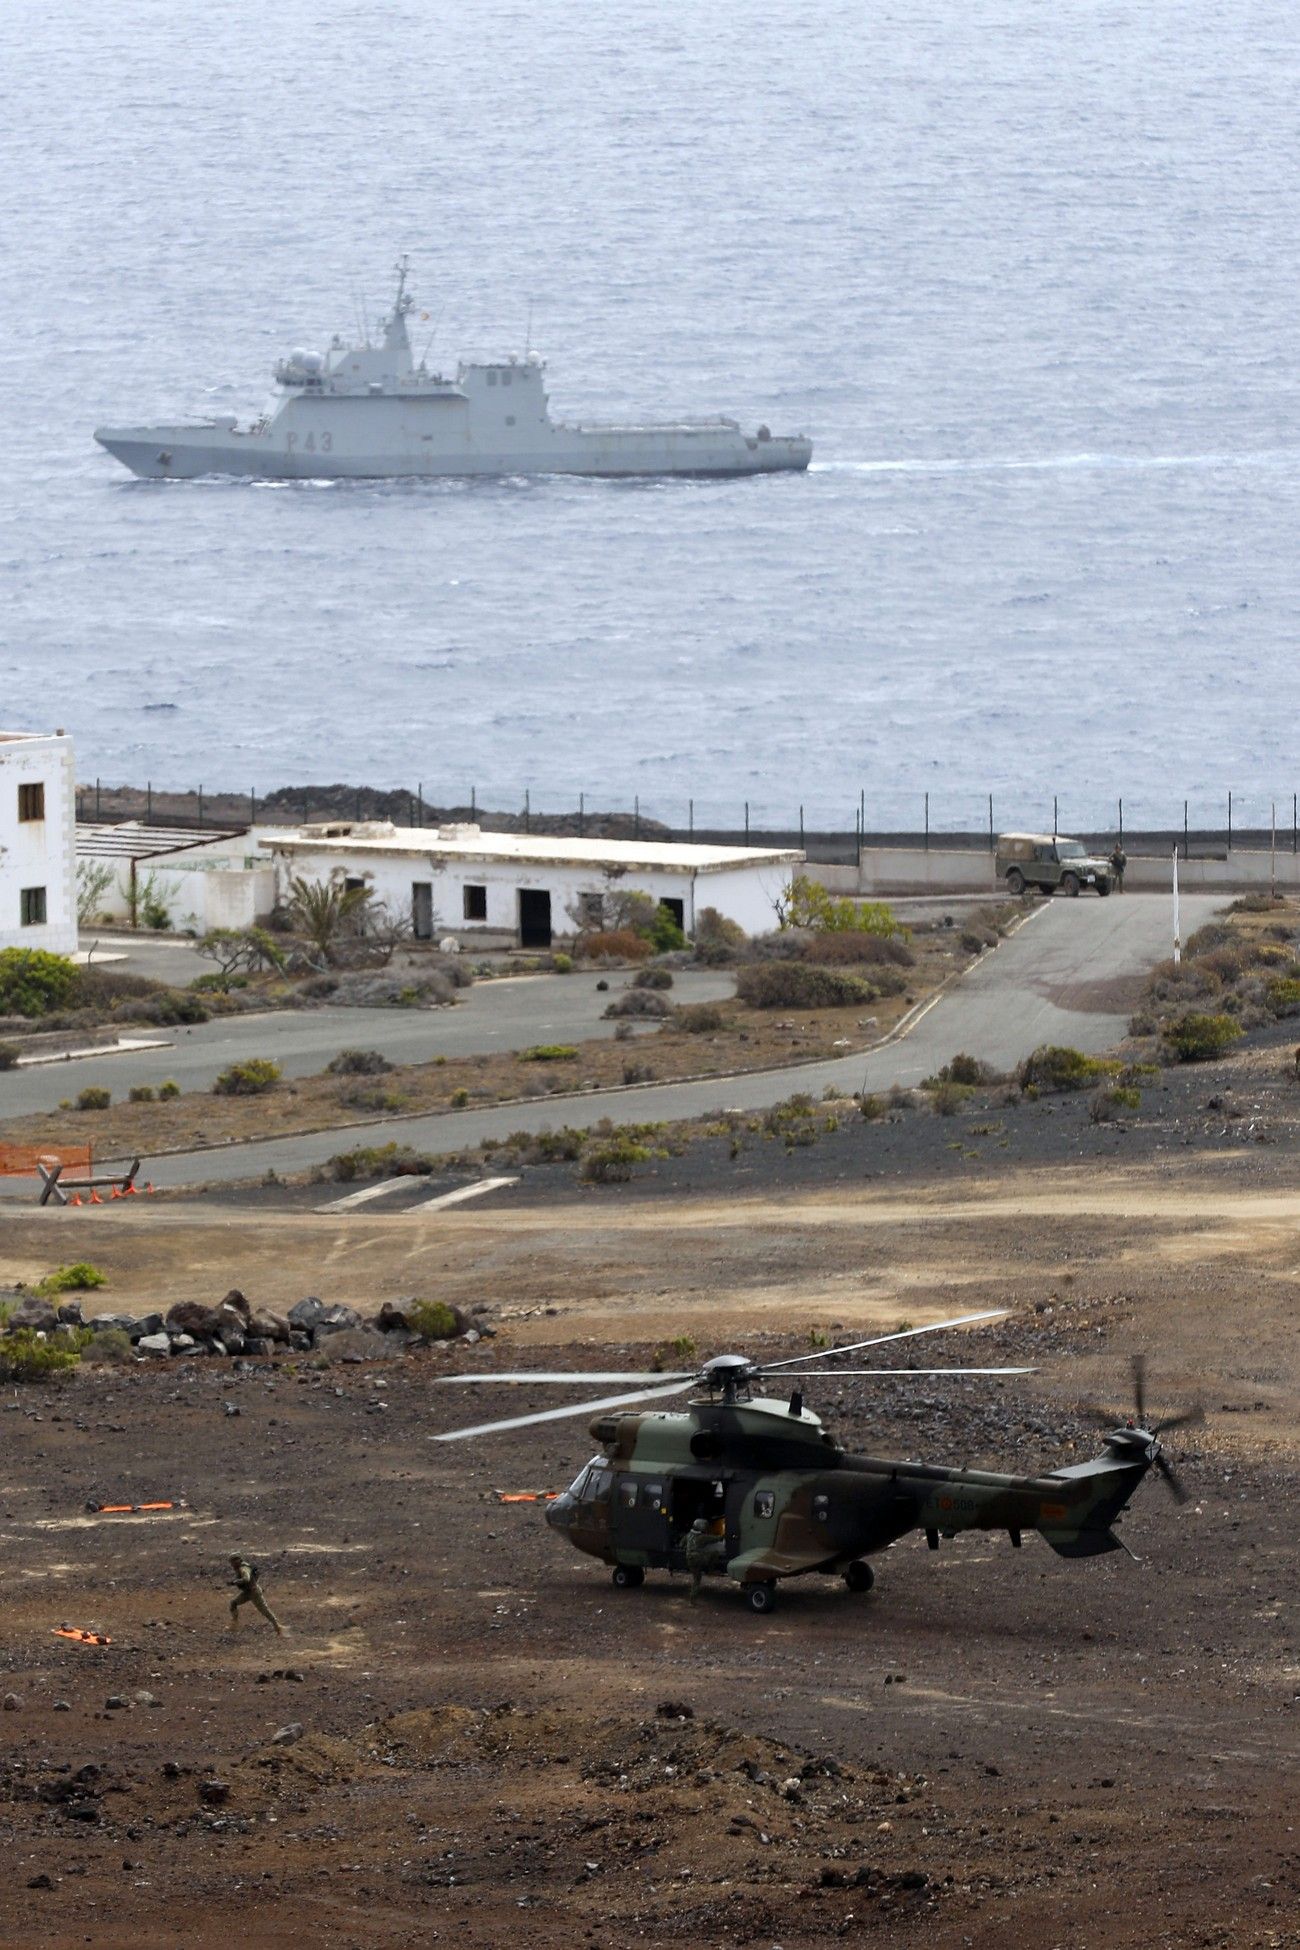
{"x": 38, "y": 867}
{"x": 529, "y": 889}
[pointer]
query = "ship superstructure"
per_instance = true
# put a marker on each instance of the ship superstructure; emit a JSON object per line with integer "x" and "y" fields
{"x": 372, "y": 412}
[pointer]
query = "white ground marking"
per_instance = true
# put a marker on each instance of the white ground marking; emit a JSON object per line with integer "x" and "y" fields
{"x": 464, "y": 1192}
{"x": 381, "y": 1190}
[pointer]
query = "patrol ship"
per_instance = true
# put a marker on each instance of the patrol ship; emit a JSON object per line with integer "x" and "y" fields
{"x": 370, "y": 412}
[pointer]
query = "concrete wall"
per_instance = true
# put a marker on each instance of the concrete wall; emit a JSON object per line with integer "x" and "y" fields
{"x": 38, "y": 853}
{"x": 746, "y": 895}
{"x": 197, "y": 896}
{"x": 954, "y": 870}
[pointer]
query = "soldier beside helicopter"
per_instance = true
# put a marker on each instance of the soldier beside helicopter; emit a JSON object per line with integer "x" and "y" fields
{"x": 705, "y": 1550}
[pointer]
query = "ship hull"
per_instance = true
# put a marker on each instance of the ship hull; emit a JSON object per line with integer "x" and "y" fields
{"x": 334, "y": 448}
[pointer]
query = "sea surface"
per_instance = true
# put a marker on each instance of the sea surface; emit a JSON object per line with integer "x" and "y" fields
{"x": 1029, "y": 275}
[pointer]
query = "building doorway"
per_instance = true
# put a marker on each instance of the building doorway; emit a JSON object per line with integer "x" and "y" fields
{"x": 422, "y": 910}
{"x": 677, "y": 909}
{"x": 534, "y": 917}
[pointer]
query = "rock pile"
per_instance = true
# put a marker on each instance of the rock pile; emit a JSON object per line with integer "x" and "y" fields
{"x": 235, "y": 1328}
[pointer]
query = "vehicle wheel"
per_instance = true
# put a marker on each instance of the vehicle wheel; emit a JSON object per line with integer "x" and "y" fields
{"x": 761, "y": 1597}
{"x": 1070, "y": 884}
{"x": 1103, "y": 888}
{"x": 627, "y": 1577}
{"x": 859, "y": 1575}
{"x": 1015, "y": 881}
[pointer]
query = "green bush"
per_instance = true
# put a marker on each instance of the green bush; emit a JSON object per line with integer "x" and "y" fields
{"x": 169, "y": 1088}
{"x": 431, "y": 1318}
{"x": 562, "y": 964}
{"x": 375, "y": 1161}
{"x": 33, "y": 983}
{"x": 806, "y": 904}
{"x": 1056, "y": 1066}
{"x": 1107, "y": 1102}
{"x": 108, "y": 1347}
{"x": 1196, "y": 1037}
{"x": 459, "y": 1099}
{"x": 25, "y": 1356}
{"x": 140, "y": 1093}
{"x": 550, "y": 1053}
{"x": 9, "y": 1054}
{"x": 370, "y": 1097}
{"x": 81, "y": 1277}
{"x": 800, "y": 985}
{"x": 950, "y": 1097}
{"x": 612, "y": 944}
{"x": 1283, "y": 996}
{"x": 966, "y": 1069}
{"x": 216, "y": 984}
{"x": 251, "y": 1078}
{"x": 94, "y": 1097}
{"x": 652, "y": 978}
{"x": 666, "y": 936}
{"x": 358, "y": 1063}
{"x": 610, "y": 1162}
{"x": 717, "y": 939}
{"x": 873, "y": 1108}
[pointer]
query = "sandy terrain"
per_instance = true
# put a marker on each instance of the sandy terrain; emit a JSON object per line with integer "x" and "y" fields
{"x": 992, "y": 1749}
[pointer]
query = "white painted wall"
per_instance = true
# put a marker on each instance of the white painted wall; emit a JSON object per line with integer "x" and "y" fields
{"x": 198, "y": 895}
{"x": 745, "y": 894}
{"x": 38, "y": 853}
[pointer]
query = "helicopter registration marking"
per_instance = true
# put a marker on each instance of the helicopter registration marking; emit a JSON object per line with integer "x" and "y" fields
{"x": 967, "y": 1503}
{"x": 1053, "y": 1512}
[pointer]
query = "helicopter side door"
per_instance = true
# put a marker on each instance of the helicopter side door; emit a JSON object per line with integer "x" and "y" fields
{"x": 639, "y": 1515}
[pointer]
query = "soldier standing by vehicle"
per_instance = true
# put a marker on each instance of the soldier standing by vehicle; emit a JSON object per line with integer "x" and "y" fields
{"x": 1118, "y": 862}
{"x": 248, "y": 1591}
{"x": 704, "y": 1552}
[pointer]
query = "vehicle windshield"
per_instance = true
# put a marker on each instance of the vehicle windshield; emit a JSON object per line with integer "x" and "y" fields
{"x": 1070, "y": 850}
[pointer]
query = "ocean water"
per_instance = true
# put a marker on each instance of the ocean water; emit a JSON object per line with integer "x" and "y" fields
{"x": 1029, "y": 276}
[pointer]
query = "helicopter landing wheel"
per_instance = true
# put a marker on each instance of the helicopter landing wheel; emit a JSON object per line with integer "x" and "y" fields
{"x": 761, "y": 1597}
{"x": 859, "y": 1575}
{"x": 627, "y": 1577}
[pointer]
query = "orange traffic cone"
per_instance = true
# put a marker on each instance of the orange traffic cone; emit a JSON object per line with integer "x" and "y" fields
{"x": 149, "y": 1186}
{"x": 115, "y": 1193}
{"x": 95, "y": 1199}
{"x": 75, "y": 1199}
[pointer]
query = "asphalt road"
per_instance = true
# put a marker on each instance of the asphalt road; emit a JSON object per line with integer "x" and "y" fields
{"x": 512, "y": 1013}
{"x": 1070, "y": 974}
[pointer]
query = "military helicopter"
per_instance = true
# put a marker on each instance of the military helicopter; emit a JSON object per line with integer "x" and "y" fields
{"x": 782, "y": 1498}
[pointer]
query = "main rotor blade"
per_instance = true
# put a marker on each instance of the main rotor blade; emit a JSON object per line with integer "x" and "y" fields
{"x": 558, "y": 1414}
{"x": 1140, "y": 1388}
{"x": 1173, "y": 1479}
{"x": 559, "y": 1379}
{"x": 1188, "y": 1418}
{"x": 832, "y": 1374}
{"x": 907, "y": 1334}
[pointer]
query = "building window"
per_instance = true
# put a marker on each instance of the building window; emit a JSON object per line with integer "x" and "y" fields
{"x": 591, "y": 910}
{"x": 476, "y": 903}
{"x": 31, "y": 801}
{"x": 492, "y": 379}
{"x": 33, "y": 907}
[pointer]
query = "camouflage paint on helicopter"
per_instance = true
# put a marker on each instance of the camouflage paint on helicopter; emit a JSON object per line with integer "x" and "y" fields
{"x": 786, "y": 1500}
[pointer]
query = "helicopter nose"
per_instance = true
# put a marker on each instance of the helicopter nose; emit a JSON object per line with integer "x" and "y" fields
{"x": 559, "y": 1514}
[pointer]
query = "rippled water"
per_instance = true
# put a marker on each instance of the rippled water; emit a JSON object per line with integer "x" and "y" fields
{"x": 1027, "y": 275}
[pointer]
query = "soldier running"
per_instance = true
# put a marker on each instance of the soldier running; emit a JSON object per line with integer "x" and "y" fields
{"x": 248, "y": 1591}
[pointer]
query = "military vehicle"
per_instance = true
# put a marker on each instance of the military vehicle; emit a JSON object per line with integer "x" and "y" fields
{"x": 1048, "y": 861}
{"x": 376, "y": 412}
{"x": 781, "y": 1497}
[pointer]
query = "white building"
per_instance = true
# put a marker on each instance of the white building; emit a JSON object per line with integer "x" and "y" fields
{"x": 528, "y": 890}
{"x": 175, "y": 878}
{"x": 38, "y": 869}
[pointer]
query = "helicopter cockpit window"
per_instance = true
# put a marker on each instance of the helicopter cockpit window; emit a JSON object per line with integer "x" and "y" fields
{"x": 627, "y": 1492}
{"x": 764, "y": 1503}
{"x": 651, "y": 1495}
{"x": 821, "y": 1508}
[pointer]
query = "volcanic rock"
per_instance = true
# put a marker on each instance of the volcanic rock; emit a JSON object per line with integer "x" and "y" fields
{"x": 35, "y": 1313}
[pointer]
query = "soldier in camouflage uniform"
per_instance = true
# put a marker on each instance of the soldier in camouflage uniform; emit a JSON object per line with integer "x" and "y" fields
{"x": 704, "y": 1552}
{"x": 248, "y": 1591}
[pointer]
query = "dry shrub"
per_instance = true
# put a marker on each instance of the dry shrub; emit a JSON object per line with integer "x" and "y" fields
{"x": 639, "y": 1002}
{"x": 799, "y": 985}
{"x": 617, "y": 944}
{"x": 700, "y": 1018}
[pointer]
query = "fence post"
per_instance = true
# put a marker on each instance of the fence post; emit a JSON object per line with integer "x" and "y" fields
{"x": 148, "y": 811}
{"x": 528, "y": 811}
{"x": 801, "y": 844}
{"x": 1121, "y": 823}
{"x": 473, "y": 802}
{"x": 992, "y": 842}
{"x": 636, "y": 815}
{"x": 582, "y": 814}
{"x": 1293, "y": 822}
{"x": 1185, "y": 852}
{"x": 1055, "y": 817}
{"x": 252, "y": 806}
{"x": 200, "y": 805}
{"x": 927, "y": 822}
{"x": 857, "y": 840}
{"x": 691, "y": 816}
{"x": 419, "y": 802}
{"x": 96, "y": 798}
{"x": 1272, "y": 855}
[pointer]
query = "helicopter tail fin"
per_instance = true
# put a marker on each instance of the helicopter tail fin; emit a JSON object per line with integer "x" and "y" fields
{"x": 1087, "y": 1542}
